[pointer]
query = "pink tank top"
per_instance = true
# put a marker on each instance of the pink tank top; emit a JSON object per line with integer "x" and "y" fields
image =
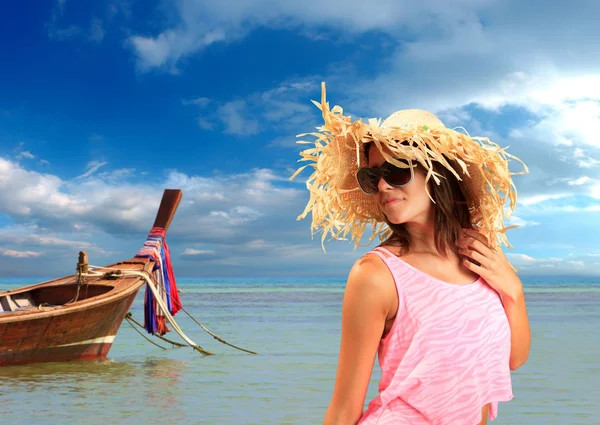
{"x": 446, "y": 355}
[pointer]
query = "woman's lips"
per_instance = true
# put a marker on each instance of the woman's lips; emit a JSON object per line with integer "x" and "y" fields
{"x": 391, "y": 201}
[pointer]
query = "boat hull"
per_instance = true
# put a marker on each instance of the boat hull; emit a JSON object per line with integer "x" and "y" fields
{"x": 65, "y": 335}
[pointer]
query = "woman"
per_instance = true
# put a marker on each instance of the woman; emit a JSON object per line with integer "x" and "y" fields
{"x": 436, "y": 301}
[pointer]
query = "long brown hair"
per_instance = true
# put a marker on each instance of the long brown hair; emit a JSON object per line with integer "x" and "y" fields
{"x": 451, "y": 211}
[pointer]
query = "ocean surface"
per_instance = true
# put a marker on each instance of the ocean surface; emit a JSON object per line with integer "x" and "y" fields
{"x": 295, "y": 327}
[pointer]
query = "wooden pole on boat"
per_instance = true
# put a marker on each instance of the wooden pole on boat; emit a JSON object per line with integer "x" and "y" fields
{"x": 168, "y": 207}
{"x": 83, "y": 264}
{"x": 83, "y": 267}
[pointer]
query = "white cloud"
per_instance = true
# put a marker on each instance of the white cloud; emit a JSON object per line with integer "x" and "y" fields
{"x": 537, "y": 89}
{"x": 190, "y": 252}
{"x": 573, "y": 123}
{"x": 52, "y": 27}
{"x": 285, "y": 142}
{"x": 119, "y": 7}
{"x": 8, "y": 237}
{"x": 284, "y": 108}
{"x": 118, "y": 175}
{"x": 25, "y": 154}
{"x": 97, "y": 31}
{"x": 202, "y": 102}
{"x": 536, "y": 199}
{"x": 45, "y": 199}
{"x": 225, "y": 225}
{"x": 54, "y": 250}
{"x": 556, "y": 209}
{"x": 561, "y": 150}
{"x": 221, "y": 209}
{"x": 237, "y": 119}
{"x": 579, "y": 181}
{"x": 63, "y": 33}
{"x": 571, "y": 265}
{"x": 595, "y": 192}
{"x": 19, "y": 254}
{"x": 588, "y": 163}
{"x": 550, "y": 246}
{"x": 92, "y": 167}
{"x": 237, "y": 215}
{"x": 205, "y": 124}
{"x": 523, "y": 258}
{"x": 58, "y": 30}
{"x": 257, "y": 244}
{"x": 201, "y": 23}
{"x": 517, "y": 221}
{"x": 170, "y": 46}
{"x": 22, "y": 191}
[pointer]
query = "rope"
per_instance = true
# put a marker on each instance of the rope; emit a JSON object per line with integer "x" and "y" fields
{"x": 159, "y": 301}
{"x": 218, "y": 338}
{"x": 145, "y": 337}
{"x": 176, "y": 344}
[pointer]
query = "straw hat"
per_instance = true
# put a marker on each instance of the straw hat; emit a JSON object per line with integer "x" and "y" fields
{"x": 340, "y": 209}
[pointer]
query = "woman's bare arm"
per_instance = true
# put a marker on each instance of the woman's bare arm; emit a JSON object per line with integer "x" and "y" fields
{"x": 370, "y": 293}
{"x": 516, "y": 312}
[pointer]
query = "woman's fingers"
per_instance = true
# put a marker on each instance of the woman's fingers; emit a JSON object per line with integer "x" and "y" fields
{"x": 476, "y": 241}
{"x": 482, "y": 260}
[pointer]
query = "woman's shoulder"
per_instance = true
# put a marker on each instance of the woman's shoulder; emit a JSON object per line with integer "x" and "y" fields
{"x": 372, "y": 262}
{"x": 371, "y": 279}
{"x": 371, "y": 273}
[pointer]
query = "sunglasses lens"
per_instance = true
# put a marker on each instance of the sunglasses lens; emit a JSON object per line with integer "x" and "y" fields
{"x": 368, "y": 180}
{"x": 396, "y": 176}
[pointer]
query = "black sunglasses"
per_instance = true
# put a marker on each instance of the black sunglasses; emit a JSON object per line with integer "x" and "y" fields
{"x": 368, "y": 178}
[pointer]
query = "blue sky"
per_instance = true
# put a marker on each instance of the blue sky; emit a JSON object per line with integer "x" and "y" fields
{"x": 105, "y": 103}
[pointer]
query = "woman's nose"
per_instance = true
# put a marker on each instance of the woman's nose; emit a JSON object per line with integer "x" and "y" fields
{"x": 382, "y": 185}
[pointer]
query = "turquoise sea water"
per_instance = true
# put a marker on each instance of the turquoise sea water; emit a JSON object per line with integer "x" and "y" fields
{"x": 295, "y": 327}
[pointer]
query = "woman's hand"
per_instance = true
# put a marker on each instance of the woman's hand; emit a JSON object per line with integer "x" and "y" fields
{"x": 495, "y": 269}
{"x": 493, "y": 266}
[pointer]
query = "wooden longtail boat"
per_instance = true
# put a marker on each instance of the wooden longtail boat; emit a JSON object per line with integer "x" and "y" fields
{"x": 72, "y": 317}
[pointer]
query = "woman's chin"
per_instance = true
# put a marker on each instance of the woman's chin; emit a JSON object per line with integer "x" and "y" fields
{"x": 396, "y": 218}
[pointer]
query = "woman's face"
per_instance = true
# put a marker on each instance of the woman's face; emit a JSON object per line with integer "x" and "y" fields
{"x": 407, "y": 204}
